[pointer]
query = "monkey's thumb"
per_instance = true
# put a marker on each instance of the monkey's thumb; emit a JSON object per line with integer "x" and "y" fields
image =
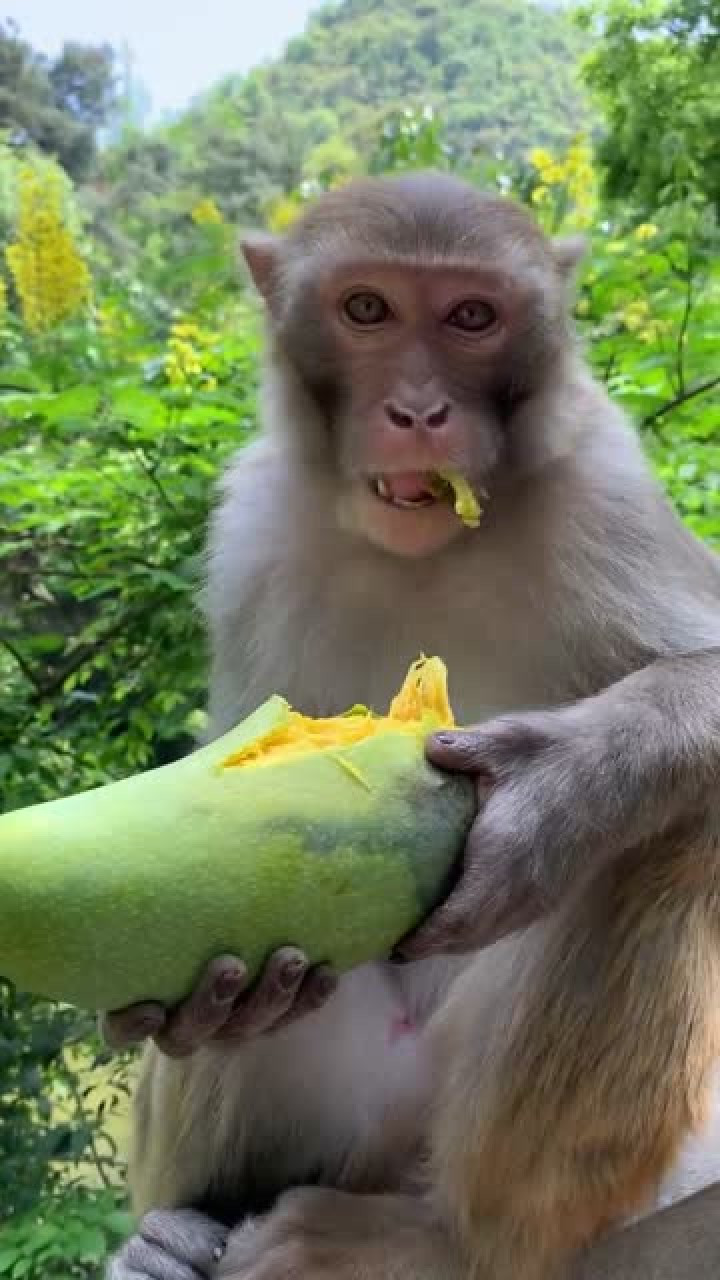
{"x": 457, "y": 751}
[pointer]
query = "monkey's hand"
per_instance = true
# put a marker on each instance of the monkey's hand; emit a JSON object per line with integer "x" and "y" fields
{"x": 320, "y": 1234}
{"x": 560, "y": 793}
{"x": 171, "y": 1244}
{"x": 224, "y": 1007}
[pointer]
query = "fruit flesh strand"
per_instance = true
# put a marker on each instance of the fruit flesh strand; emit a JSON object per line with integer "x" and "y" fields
{"x": 465, "y": 501}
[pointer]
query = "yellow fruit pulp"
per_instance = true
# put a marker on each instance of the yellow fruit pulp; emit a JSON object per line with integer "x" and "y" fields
{"x": 422, "y": 705}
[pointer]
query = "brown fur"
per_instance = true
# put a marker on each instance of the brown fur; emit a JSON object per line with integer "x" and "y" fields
{"x": 598, "y": 1068}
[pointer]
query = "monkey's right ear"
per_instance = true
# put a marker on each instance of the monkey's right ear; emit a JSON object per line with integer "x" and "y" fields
{"x": 569, "y": 252}
{"x": 261, "y": 253}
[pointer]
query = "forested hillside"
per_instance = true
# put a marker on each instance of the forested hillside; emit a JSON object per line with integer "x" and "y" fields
{"x": 500, "y": 68}
{"x": 504, "y": 72}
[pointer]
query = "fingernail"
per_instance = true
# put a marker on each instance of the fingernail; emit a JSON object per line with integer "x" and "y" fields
{"x": 227, "y": 985}
{"x": 292, "y": 972}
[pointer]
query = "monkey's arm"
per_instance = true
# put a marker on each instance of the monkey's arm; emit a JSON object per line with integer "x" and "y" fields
{"x": 565, "y": 792}
{"x": 329, "y": 1235}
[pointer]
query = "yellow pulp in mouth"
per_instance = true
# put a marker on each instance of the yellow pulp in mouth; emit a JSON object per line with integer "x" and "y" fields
{"x": 421, "y": 706}
{"x": 465, "y": 502}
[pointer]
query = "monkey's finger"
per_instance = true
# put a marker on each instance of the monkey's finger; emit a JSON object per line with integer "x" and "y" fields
{"x": 140, "y": 1260}
{"x": 483, "y": 908}
{"x": 449, "y": 931}
{"x": 125, "y": 1027}
{"x": 270, "y": 999}
{"x": 187, "y": 1235}
{"x": 318, "y": 985}
{"x": 196, "y": 1020}
{"x": 493, "y": 748}
{"x": 459, "y": 752}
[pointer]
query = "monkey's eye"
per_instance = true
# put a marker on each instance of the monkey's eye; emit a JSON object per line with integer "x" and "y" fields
{"x": 366, "y": 308}
{"x": 473, "y": 316}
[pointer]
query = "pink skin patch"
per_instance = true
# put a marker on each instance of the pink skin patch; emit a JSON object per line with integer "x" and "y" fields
{"x": 402, "y": 1026}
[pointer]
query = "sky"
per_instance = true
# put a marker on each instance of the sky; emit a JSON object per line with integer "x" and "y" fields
{"x": 179, "y": 47}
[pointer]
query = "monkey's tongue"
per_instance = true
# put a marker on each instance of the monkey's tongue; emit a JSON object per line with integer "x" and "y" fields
{"x": 406, "y": 487}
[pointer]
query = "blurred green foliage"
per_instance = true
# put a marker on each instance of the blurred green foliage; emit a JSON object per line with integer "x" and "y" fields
{"x": 655, "y": 70}
{"x": 116, "y": 422}
{"x": 487, "y": 67}
{"x": 57, "y": 104}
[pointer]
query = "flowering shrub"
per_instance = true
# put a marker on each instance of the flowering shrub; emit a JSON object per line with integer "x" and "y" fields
{"x": 51, "y": 278}
{"x": 565, "y": 188}
{"x": 190, "y": 357}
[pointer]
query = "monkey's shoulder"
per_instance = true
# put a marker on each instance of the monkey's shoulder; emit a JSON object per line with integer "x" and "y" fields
{"x": 267, "y": 490}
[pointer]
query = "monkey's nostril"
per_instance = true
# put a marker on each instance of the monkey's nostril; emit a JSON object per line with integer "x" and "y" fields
{"x": 438, "y": 416}
{"x": 399, "y": 417}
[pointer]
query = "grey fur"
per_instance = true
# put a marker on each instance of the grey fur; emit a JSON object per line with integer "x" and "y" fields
{"x": 581, "y": 609}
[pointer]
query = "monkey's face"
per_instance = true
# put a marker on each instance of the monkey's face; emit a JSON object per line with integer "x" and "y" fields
{"x": 402, "y": 360}
{"x": 415, "y": 329}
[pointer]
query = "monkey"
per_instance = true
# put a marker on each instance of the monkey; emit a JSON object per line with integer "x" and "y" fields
{"x": 525, "y": 1072}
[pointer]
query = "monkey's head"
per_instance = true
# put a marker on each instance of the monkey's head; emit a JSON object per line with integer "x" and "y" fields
{"x": 417, "y": 314}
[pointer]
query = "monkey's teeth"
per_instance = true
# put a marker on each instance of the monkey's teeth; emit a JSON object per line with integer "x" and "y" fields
{"x": 383, "y": 490}
{"x": 412, "y": 504}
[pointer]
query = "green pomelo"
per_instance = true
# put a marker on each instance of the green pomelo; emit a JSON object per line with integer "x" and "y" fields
{"x": 123, "y": 893}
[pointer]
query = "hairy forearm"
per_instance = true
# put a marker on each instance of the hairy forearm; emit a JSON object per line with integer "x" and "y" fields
{"x": 393, "y": 1238}
{"x": 661, "y": 740}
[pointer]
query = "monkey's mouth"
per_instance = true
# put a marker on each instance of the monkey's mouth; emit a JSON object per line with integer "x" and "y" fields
{"x": 409, "y": 490}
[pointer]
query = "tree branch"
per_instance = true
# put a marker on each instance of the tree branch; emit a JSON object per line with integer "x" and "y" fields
{"x": 683, "y": 330}
{"x": 690, "y": 394}
{"x": 84, "y": 652}
{"x": 30, "y": 674}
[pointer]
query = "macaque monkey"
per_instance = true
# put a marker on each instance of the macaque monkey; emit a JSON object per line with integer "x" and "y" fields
{"x": 532, "y": 1074}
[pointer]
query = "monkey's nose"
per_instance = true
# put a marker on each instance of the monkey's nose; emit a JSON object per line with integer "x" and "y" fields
{"x": 402, "y": 416}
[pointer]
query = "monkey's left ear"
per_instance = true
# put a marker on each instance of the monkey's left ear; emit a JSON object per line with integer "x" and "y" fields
{"x": 261, "y": 253}
{"x": 569, "y": 252}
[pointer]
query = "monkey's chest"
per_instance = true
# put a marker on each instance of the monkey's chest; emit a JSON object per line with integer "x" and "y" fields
{"x": 493, "y": 666}
{"x": 352, "y": 638}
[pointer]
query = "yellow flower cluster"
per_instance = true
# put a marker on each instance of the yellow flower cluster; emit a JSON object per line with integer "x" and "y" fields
{"x": 109, "y": 319}
{"x": 282, "y": 213}
{"x": 548, "y": 167}
{"x": 51, "y": 278}
{"x": 186, "y": 362}
{"x": 572, "y": 173}
{"x": 206, "y": 213}
{"x": 645, "y": 231}
{"x": 637, "y": 318}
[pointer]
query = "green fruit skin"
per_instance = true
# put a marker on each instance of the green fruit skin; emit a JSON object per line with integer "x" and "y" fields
{"x": 123, "y": 893}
